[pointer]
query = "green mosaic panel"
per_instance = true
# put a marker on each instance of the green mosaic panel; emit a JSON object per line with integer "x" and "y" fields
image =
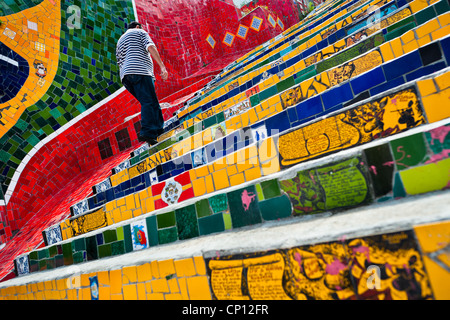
{"x": 87, "y": 73}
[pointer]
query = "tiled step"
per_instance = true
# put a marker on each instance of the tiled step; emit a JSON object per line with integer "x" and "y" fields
{"x": 366, "y": 174}
{"x": 134, "y": 180}
{"x": 198, "y": 269}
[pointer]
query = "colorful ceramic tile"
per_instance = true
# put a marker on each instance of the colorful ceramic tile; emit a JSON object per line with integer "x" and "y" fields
{"x": 381, "y": 168}
{"x": 259, "y": 133}
{"x": 139, "y": 235}
{"x": 388, "y": 266}
{"x": 244, "y": 208}
{"x": 79, "y": 208}
{"x": 94, "y": 288}
{"x": 186, "y": 220}
{"x": 409, "y": 151}
{"x": 276, "y": 208}
{"x": 22, "y": 265}
{"x": 53, "y": 235}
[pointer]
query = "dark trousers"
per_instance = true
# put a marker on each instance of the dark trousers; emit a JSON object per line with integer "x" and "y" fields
{"x": 143, "y": 89}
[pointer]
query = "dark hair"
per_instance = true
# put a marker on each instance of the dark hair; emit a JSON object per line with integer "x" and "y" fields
{"x": 134, "y": 24}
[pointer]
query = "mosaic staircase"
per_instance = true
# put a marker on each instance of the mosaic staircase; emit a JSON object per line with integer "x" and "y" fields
{"x": 286, "y": 177}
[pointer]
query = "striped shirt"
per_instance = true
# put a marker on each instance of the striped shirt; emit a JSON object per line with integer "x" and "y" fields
{"x": 132, "y": 53}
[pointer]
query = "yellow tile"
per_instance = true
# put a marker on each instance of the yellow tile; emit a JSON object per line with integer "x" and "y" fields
{"x": 231, "y": 170}
{"x": 411, "y": 46}
{"x": 155, "y": 296}
{"x": 444, "y": 19}
{"x": 48, "y": 285}
{"x": 433, "y": 106}
{"x": 85, "y": 280}
{"x": 173, "y": 285}
{"x": 237, "y": 179}
{"x": 209, "y": 184}
{"x": 61, "y": 284}
{"x": 159, "y": 286}
{"x": 86, "y": 294}
{"x": 126, "y": 215}
{"x": 198, "y": 288}
{"x": 185, "y": 267}
{"x": 443, "y": 80}
{"x": 441, "y": 33}
{"x": 220, "y": 179}
{"x": 200, "y": 265}
{"x": 417, "y": 5}
{"x": 129, "y": 274}
{"x": 408, "y": 37}
{"x": 115, "y": 281}
{"x": 427, "y": 28}
{"x": 144, "y": 272}
{"x": 253, "y": 174}
{"x": 117, "y": 296}
{"x": 104, "y": 293}
{"x": 166, "y": 267}
{"x": 141, "y": 292}
{"x": 424, "y": 40}
{"x": 396, "y": 46}
{"x": 155, "y": 269}
{"x": 202, "y": 171}
{"x": 130, "y": 292}
{"x": 426, "y": 87}
{"x": 199, "y": 186}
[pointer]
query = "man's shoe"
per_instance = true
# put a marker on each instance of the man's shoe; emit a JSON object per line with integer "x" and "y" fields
{"x": 150, "y": 141}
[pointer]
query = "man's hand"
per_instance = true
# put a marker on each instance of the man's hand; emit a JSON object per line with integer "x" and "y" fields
{"x": 164, "y": 73}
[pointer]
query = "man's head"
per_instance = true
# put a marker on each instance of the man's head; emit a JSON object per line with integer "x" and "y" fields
{"x": 134, "y": 24}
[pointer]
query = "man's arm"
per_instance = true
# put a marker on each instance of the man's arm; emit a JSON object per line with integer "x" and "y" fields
{"x": 155, "y": 55}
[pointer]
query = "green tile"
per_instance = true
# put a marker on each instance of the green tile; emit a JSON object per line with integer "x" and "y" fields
{"x": 442, "y": 7}
{"x": 78, "y": 257}
{"x": 267, "y": 93}
{"x": 167, "y": 235}
{"x": 78, "y": 245}
{"x": 42, "y": 265}
{"x": 254, "y": 100}
{"x": 186, "y": 218}
{"x": 211, "y": 224}
{"x": 203, "y": 209}
{"x": 33, "y": 255}
{"x": 67, "y": 254}
{"x": 120, "y": 233}
{"x": 118, "y": 248}
{"x": 128, "y": 241}
{"x": 104, "y": 251}
{"x": 91, "y": 248}
{"x": 152, "y": 231}
{"x": 166, "y": 220}
{"x": 218, "y": 203}
{"x": 285, "y": 84}
{"x": 244, "y": 208}
{"x": 409, "y": 151}
{"x": 259, "y": 192}
{"x": 42, "y": 254}
{"x": 276, "y": 208}
{"x": 425, "y": 15}
{"x": 270, "y": 189}
{"x": 52, "y": 251}
{"x": 51, "y": 264}
{"x": 227, "y": 220}
{"x": 110, "y": 236}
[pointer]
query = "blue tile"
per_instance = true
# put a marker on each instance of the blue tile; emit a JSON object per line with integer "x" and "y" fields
{"x": 425, "y": 71}
{"x": 336, "y": 95}
{"x": 292, "y": 114}
{"x": 445, "y": 45}
{"x": 309, "y": 107}
{"x": 368, "y": 80}
{"x": 278, "y": 122}
{"x": 310, "y": 51}
{"x": 402, "y": 65}
{"x": 387, "y": 85}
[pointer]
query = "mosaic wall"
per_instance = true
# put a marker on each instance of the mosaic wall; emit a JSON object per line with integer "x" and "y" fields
{"x": 59, "y": 59}
{"x": 405, "y": 265}
{"x": 332, "y": 87}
